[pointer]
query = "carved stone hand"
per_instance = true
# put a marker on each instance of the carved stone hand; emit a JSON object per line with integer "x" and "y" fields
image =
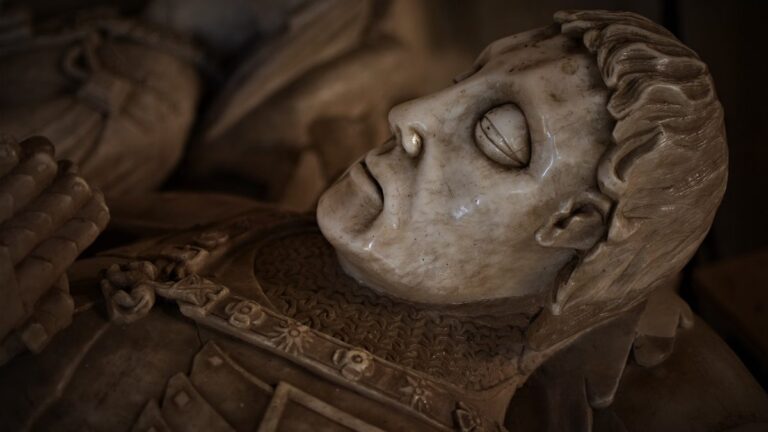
{"x": 48, "y": 216}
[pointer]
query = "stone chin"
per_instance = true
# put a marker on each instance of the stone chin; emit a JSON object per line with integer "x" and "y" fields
{"x": 347, "y": 216}
{"x": 345, "y": 211}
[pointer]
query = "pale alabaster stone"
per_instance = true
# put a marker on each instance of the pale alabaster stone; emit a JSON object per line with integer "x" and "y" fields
{"x": 447, "y": 211}
{"x": 574, "y": 165}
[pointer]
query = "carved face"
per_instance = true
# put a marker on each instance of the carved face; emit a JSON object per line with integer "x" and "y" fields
{"x": 469, "y": 200}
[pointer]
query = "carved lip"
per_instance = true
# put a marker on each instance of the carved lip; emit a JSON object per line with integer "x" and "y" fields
{"x": 373, "y": 180}
{"x": 366, "y": 182}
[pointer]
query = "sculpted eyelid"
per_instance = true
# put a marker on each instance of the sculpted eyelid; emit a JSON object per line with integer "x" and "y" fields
{"x": 502, "y": 134}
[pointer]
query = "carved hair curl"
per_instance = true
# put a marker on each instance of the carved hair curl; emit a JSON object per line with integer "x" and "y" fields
{"x": 666, "y": 169}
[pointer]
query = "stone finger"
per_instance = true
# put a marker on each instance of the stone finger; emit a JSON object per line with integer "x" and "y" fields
{"x": 43, "y": 216}
{"x": 10, "y": 153}
{"x": 88, "y": 223}
{"x": 50, "y": 259}
{"x": 52, "y": 314}
{"x": 28, "y": 178}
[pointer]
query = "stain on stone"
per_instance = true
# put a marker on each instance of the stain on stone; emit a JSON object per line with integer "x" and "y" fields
{"x": 569, "y": 67}
{"x": 556, "y": 97}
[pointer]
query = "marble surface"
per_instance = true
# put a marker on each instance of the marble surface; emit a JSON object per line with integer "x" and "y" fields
{"x": 447, "y": 211}
{"x": 579, "y": 164}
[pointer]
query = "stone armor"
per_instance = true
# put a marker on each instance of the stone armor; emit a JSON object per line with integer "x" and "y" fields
{"x": 213, "y": 333}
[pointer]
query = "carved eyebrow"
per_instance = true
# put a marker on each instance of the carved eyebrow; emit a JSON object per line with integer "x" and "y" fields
{"x": 468, "y": 73}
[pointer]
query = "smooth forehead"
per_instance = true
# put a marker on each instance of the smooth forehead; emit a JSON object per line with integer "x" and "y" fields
{"x": 529, "y": 50}
{"x": 516, "y": 41}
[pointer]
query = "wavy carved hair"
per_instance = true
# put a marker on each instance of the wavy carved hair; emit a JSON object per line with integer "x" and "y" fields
{"x": 666, "y": 168}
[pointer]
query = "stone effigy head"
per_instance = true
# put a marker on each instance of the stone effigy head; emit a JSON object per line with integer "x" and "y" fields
{"x": 577, "y": 165}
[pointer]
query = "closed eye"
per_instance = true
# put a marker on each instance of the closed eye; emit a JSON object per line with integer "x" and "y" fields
{"x": 502, "y": 135}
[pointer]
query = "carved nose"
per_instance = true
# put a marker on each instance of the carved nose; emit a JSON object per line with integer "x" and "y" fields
{"x": 405, "y": 129}
{"x": 412, "y": 145}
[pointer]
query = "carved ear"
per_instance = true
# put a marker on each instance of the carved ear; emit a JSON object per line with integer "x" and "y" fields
{"x": 579, "y": 224}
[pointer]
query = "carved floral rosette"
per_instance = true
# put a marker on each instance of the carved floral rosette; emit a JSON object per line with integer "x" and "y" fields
{"x": 212, "y": 304}
{"x": 333, "y": 359}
